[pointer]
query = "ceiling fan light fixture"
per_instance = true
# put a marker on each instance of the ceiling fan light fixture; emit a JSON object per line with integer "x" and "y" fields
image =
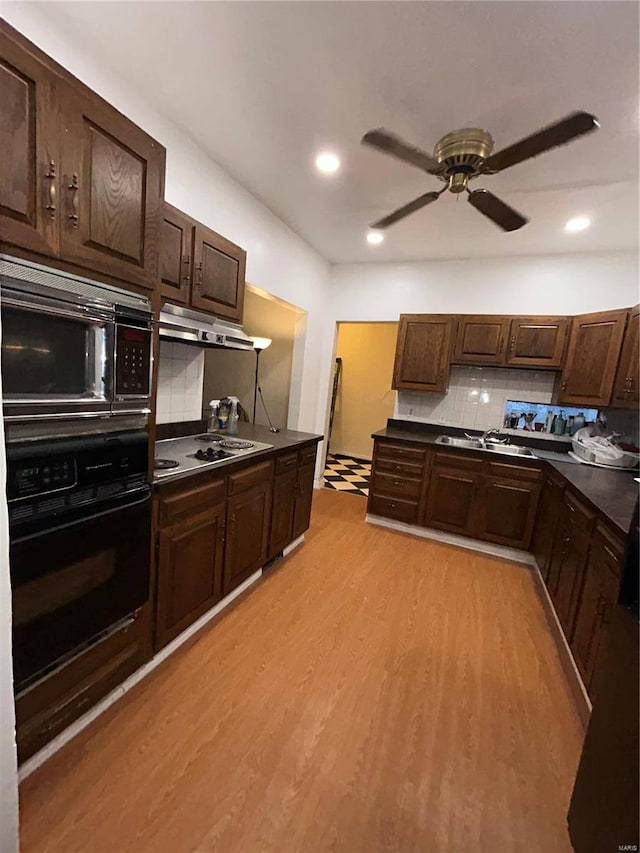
{"x": 578, "y": 223}
{"x": 327, "y": 162}
{"x": 374, "y": 238}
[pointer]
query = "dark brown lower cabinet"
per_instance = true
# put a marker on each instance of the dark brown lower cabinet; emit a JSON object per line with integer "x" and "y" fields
{"x": 452, "y": 499}
{"x": 507, "y": 511}
{"x": 597, "y": 603}
{"x": 546, "y": 522}
{"x": 568, "y": 560}
{"x": 304, "y": 497}
{"x": 190, "y": 553}
{"x": 284, "y": 505}
{"x": 248, "y": 519}
{"x": 52, "y": 704}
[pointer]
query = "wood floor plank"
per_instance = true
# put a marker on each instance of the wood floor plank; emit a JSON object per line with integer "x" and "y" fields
{"x": 376, "y": 692}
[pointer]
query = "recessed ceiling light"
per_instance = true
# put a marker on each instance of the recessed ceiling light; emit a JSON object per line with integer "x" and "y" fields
{"x": 578, "y": 223}
{"x": 327, "y": 162}
{"x": 374, "y": 238}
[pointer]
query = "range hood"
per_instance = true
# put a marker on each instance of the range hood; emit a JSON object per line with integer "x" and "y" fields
{"x": 192, "y": 327}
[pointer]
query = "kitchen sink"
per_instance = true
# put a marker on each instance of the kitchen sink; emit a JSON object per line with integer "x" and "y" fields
{"x": 473, "y": 443}
{"x": 479, "y": 444}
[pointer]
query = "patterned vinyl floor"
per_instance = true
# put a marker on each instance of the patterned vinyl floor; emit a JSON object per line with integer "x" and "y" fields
{"x": 345, "y": 474}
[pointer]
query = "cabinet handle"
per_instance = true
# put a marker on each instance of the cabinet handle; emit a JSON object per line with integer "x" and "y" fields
{"x": 563, "y": 387}
{"x": 73, "y": 186}
{"x": 198, "y": 281}
{"x": 51, "y": 177}
{"x": 398, "y": 483}
{"x": 512, "y": 346}
{"x": 186, "y": 261}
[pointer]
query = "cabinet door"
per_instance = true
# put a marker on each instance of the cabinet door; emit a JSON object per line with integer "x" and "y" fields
{"x": 218, "y": 278}
{"x": 304, "y": 498}
{"x": 538, "y": 341}
{"x": 112, "y": 190}
{"x": 626, "y": 389}
{"x": 451, "y": 500}
{"x": 189, "y": 570}
{"x": 30, "y": 157}
{"x": 422, "y": 361}
{"x": 546, "y": 524}
{"x": 284, "y": 501}
{"x": 507, "y": 511}
{"x": 481, "y": 339}
{"x": 176, "y": 250}
{"x": 248, "y": 516}
{"x": 592, "y": 358}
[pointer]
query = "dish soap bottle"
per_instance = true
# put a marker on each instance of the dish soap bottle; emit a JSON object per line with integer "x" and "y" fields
{"x": 214, "y": 410}
{"x": 232, "y": 423}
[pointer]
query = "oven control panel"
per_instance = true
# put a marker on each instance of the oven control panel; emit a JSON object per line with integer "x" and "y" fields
{"x": 36, "y": 478}
{"x": 133, "y": 361}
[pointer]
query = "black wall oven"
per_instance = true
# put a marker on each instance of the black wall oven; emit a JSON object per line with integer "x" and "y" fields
{"x": 80, "y": 538}
{"x": 71, "y": 347}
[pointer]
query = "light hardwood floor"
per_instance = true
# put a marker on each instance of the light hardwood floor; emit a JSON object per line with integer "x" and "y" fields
{"x": 377, "y": 692}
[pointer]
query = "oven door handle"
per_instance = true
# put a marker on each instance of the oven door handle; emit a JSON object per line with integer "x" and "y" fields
{"x": 85, "y": 518}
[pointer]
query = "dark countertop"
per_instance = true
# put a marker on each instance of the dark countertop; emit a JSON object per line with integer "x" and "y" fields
{"x": 612, "y": 493}
{"x": 180, "y": 434}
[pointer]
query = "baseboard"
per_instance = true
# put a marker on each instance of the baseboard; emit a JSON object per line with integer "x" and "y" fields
{"x": 78, "y": 725}
{"x": 578, "y": 690}
{"x": 293, "y": 545}
{"x": 502, "y": 551}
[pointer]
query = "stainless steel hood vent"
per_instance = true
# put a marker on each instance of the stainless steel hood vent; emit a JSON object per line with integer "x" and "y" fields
{"x": 192, "y": 327}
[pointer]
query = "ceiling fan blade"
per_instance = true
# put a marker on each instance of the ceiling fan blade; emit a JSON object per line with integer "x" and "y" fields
{"x": 574, "y": 125}
{"x": 401, "y": 212}
{"x": 388, "y": 142}
{"x": 490, "y": 205}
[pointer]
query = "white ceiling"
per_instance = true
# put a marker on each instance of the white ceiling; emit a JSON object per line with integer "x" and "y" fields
{"x": 263, "y": 86}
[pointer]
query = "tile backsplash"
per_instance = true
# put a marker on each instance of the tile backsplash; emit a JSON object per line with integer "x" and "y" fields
{"x": 477, "y": 397}
{"x": 180, "y": 378}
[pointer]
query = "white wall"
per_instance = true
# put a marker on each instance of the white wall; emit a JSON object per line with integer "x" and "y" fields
{"x": 8, "y": 759}
{"x": 278, "y": 261}
{"x": 563, "y": 284}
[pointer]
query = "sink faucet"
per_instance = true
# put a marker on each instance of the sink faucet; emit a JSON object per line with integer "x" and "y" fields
{"x": 496, "y": 432}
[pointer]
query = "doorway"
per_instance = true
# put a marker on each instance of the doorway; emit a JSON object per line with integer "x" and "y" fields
{"x": 364, "y": 401}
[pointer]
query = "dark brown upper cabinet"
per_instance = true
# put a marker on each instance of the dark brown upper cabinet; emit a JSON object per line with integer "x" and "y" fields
{"x": 423, "y": 352}
{"x": 481, "y": 339}
{"x": 29, "y": 146}
{"x": 592, "y": 358}
{"x": 218, "y": 276}
{"x": 538, "y": 342}
{"x": 78, "y": 180}
{"x": 176, "y": 255}
{"x": 626, "y": 388}
{"x": 200, "y": 268}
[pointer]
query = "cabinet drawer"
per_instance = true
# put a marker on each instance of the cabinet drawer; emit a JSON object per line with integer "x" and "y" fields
{"x": 191, "y": 500}
{"x": 287, "y": 462}
{"x": 396, "y": 485}
{"x": 388, "y": 466}
{"x": 250, "y": 477}
{"x": 512, "y": 471}
{"x": 401, "y": 510}
{"x": 578, "y": 515}
{"x": 607, "y": 550}
{"x": 307, "y": 455}
{"x": 456, "y": 459}
{"x": 400, "y": 452}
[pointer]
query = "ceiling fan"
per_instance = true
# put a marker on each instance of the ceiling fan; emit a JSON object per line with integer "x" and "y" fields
{"x": 463, "y": 155}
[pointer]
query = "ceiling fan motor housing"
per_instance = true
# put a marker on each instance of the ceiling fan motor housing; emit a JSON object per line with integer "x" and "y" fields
{"x": 462, "y": 152}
